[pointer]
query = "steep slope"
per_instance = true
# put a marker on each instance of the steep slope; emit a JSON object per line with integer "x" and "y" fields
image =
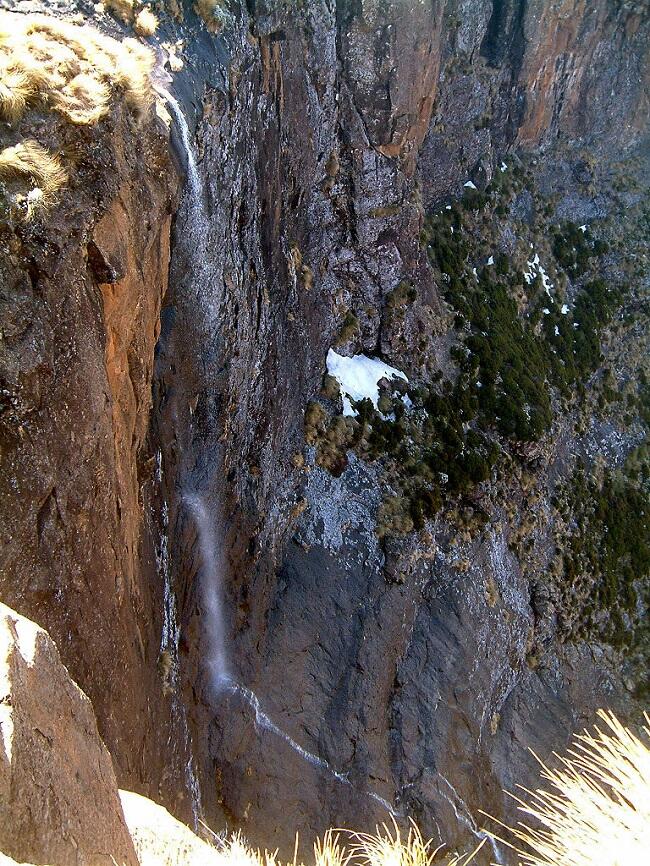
{"x": 415, "y": 597}
{"x": 82, "y": 286}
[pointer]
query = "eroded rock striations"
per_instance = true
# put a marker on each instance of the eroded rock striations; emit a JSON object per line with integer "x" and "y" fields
{"x": 458, "y": 188}
{"x": 59, "y": 802}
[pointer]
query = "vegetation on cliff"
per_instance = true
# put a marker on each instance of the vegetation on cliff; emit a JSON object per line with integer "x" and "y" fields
{"x": 71, "y": 73}
{"x": 593, "y": 810}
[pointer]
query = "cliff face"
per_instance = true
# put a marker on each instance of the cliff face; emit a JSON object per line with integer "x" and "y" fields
{"x": 81, "y": 297}
{"x": 417, "y": 661}
{"x": 414, "y": 678}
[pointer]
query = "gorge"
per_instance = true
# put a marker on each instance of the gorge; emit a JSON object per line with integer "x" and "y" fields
{"x": 290, "y": 608}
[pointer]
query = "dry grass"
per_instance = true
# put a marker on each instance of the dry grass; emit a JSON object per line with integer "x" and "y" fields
{"x": 122, "y": 9}
{"x": 28, "y": 158}
{"x": 70, "y": 69}
{"x": 146, "y": 23}
{"x": 597, "y": 811}
{"x": 214, "y": 13}
{"x": 388, "y": 847}
{"x": 76, "y": 72}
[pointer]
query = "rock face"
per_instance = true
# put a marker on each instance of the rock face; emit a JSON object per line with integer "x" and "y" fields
{"x": 407, "y": 667}
{"x": 59, "y": 802}
{"x": 80, "y": 309}
{"x": 406, "y": 673}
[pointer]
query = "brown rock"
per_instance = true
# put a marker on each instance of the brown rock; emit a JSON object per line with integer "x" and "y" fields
{"x": 59, "y": 802}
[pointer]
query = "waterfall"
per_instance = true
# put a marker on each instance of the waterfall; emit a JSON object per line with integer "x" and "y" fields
{"x": 216, "y": 661}
{"x": 212, "y": 597}
{"x": 194, "y": 281}
{"x": 193, "y": 180}
{"x": 465, "y": 817}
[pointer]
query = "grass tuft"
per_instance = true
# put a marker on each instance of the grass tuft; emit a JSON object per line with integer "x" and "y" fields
{"x": 214, "y": 14}
{"x": 70, "y": 69}
{"x": 597, "y": 811}
{"x": 29, "y": 158}
{"x": 122, "y": 9}
{"x": 76, "y": 72}
{"x": 146, "y": 23}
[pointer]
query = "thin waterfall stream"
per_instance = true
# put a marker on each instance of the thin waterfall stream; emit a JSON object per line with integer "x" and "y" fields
{"x": 216, "y": 664}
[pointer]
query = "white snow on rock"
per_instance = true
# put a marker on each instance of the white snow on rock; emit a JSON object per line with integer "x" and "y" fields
{"x": 503, "y": 166}
{"x": 564, "y": 309}
{"x": 490, "y": 261}
{"x": 358, "y": 377}
{"x": 469, "y": 185}
{"x": 535, "y": 267}
{"x": 583, "y": 228}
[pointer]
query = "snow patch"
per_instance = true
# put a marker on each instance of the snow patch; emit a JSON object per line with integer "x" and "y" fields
{"x": 503, "y": 166}
{"x": 534, "y": 268}
{"x": 469, "y": 185}
{"x": 490, "y": 261}
{"x": 358, "y": 377}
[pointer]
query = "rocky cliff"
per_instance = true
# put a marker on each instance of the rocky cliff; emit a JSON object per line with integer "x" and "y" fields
{"x": 417, "y": 593}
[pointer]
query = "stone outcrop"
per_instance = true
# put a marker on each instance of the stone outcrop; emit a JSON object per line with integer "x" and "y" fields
{"x": 59, "y": 802}
{"x": 159, "y": 838}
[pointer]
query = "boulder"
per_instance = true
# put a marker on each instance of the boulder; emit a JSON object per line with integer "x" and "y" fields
{"x": 59, "y": 801}
{"x": 160, "y": 838}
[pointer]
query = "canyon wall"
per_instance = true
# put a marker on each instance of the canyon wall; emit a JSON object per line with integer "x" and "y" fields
{"x": 419, "y": 663}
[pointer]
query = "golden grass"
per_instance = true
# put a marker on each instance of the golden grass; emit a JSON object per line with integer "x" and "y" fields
{"x": 74, "y": 71}
{"x": 122, "y": 9}
{"x": 146, "y": 23}
{"x": 597, "y": 811}
{"x": 388, "y": 847}
{"x": 31, "y": 159}
{"x": 212, "y": 12}
{"x": 70, "y": 69}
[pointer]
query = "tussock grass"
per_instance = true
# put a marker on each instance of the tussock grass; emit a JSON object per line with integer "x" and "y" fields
{"x": 388, "y": 847}
{"x": 76, "y": 72}
{"x": 214, "y": 13}
{"x": 70, "y": 69}
{"x": 146, "y": 23}
{"x": 597, "y": 811}
{"x": 122, "y": 9}
{"x": 29, "y": 158}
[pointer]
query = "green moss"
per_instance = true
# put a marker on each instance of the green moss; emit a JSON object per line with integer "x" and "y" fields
{"x": 349, "y": 329}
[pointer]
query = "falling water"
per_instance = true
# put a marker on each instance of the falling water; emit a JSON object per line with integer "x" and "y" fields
{"x": 216, "y": 662}
{"x": 193, "y": 180}
{"x": 221, "y": 681}
{"x": 464, "y": 816}
{"x": 211, "y": 594}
